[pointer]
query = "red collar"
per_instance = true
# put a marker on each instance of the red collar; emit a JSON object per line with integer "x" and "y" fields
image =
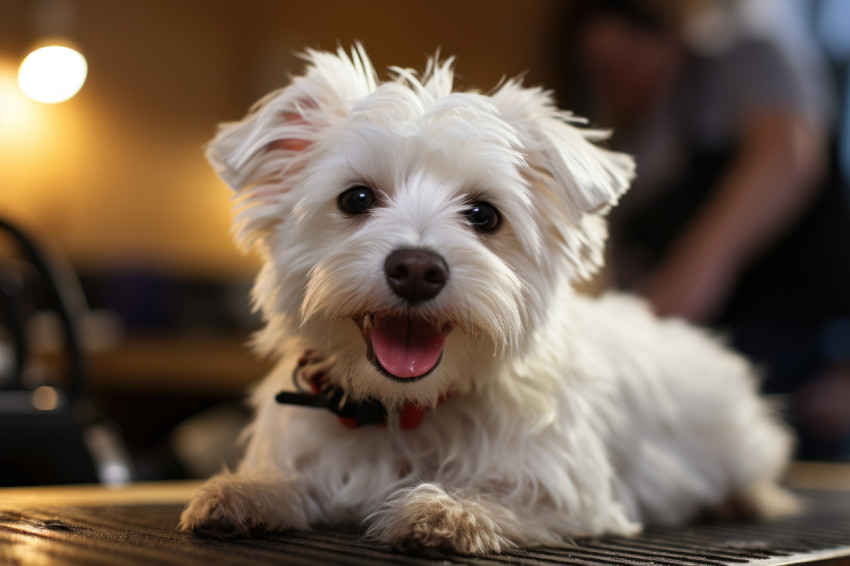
{"x": 352, "y": 414}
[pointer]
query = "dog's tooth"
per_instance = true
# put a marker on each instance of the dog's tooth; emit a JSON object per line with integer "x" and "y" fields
{"x": 367, "y": 323}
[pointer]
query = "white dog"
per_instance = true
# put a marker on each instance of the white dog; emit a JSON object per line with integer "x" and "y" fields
{"x": 419, "y": 246}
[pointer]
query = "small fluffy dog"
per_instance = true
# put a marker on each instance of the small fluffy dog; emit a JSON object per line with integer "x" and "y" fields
{"x": 420, "y": 246}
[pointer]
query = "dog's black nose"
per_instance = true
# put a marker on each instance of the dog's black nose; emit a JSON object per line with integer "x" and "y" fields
{"x": 416, "y": 275}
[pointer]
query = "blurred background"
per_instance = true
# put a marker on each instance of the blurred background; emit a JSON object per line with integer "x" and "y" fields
{"x": 124, "y": 307}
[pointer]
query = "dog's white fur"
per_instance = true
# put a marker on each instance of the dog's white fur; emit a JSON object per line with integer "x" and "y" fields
{"x": 568, "y": 416}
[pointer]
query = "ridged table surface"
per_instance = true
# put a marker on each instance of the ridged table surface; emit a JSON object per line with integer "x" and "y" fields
{"x": 92, "y": 529}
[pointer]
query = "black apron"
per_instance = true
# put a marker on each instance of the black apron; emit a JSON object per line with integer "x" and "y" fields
{"x": 785, "y": 302}
{"x": 803, "y": 277}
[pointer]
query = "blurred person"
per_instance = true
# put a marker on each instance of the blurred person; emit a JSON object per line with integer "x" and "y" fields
{"x": 737, "y": 218}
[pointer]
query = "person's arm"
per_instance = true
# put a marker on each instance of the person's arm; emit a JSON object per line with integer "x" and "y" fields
{"x": 762, "y": 192}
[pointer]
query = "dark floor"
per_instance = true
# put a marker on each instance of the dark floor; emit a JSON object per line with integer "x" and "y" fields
{"x": 145, "y": 534}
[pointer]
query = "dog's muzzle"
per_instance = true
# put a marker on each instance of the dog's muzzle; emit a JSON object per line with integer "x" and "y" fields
{"x": 407, "y": 347}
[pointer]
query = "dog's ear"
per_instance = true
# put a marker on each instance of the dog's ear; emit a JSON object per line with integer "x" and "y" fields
{"x": 590, "y": 178}
{"x": 285, "y": 124}
{"x": 574, "y": 180}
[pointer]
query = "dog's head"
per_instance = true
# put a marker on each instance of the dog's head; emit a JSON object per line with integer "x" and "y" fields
{"x": 413, "y": 234}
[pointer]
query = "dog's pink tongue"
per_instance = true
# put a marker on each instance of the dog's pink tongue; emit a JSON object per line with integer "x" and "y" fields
{"x": 406, "y": 347}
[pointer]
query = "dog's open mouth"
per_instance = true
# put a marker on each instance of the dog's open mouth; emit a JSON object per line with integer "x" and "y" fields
{"x": 403, "y": 347}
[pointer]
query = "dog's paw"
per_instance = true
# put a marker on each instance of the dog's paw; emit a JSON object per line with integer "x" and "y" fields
{"x": 765, "y": 502}
{"x": 239, "y": 506}
{"x": 425, "y": 518}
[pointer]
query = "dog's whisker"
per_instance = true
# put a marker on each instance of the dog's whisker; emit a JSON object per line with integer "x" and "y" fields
{"x": 343, "y": 305}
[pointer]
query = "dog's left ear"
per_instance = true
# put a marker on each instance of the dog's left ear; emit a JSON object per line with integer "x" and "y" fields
{"x": 574, "y": 180}
{"x": 587, "y": 178}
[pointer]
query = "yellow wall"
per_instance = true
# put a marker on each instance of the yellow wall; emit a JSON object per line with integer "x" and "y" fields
{"x": 116, "y": 175}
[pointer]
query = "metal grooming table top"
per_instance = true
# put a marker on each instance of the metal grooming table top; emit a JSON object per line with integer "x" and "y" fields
{"x": 136, "y": 525}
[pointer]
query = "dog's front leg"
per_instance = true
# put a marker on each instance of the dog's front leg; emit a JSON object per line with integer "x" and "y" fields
{"x": 239, "y": 505}
{"x": 428, "y": 516}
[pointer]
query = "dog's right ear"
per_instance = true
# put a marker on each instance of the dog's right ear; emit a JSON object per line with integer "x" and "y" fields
{"x": 273, "y": 138}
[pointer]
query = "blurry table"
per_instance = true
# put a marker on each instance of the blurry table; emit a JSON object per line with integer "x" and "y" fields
{"x": 136, "y": 526}
{"x": 149, "y": 384}
{"x": 214, "y": 366}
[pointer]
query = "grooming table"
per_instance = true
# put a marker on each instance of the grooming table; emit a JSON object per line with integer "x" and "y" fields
{"x": 91, "y": 525}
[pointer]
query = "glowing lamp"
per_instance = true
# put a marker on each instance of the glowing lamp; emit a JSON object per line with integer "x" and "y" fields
{"x": 52, "y": 74}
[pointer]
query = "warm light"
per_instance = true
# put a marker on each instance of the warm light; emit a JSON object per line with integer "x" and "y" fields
{"x": 52, "y": 74}
{"x": 16, "y": 111}
{"x": 45, "y": 398}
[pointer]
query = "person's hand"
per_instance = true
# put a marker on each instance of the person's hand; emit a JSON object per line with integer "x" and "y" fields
{"x": 689, "y": 285}
{"x": 823, "y": 404}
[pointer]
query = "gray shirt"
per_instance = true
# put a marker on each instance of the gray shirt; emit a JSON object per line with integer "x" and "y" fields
{"x": 705, "y": 108}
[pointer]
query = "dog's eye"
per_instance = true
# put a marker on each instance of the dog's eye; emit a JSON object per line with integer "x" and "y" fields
{"x": 483, "y": 216}
{"x": 356, "y": 200}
